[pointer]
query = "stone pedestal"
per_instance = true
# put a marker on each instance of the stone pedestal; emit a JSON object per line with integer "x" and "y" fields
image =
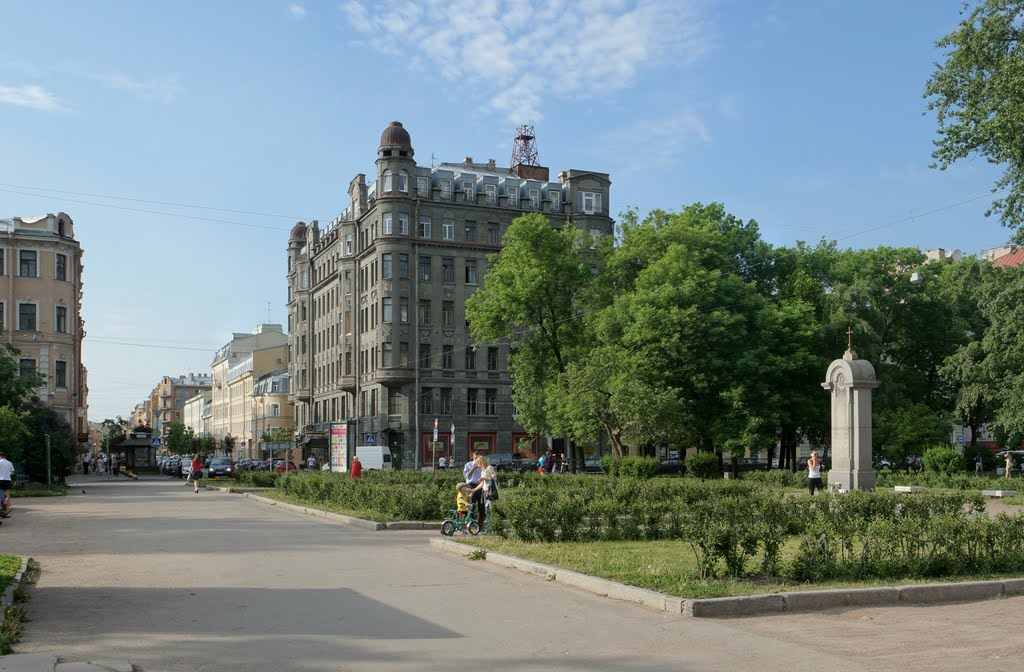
{"x": 851, "y": 380}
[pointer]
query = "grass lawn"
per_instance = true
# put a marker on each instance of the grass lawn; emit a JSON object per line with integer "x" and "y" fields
{"x": 9, "y": 566}
{"x": 56, "y": 490}
{"x": 665, "y": 566}
{"x": 323, "y": 506}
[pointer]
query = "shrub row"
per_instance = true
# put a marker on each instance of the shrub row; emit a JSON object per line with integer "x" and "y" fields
{"x": 637, "y": 467}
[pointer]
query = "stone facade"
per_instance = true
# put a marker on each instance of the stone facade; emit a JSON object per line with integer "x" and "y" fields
{"x": 41, "y": 309}
{"x": 167, "y": 400}
{"x": 227, "y": 402}
{"x": 376, "y": 300}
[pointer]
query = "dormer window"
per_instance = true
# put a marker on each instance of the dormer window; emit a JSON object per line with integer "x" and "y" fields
{"x": 492, "y": 193}
{"x": 556, "y": 200}
{"x": 446, "y": 189}
{"x": 535, "y": 199}
{"x": 423, "y": 187}
{"x": 591, "y": 202}
{"x": 470, "y": 191}
{"x": 513, "y": 196}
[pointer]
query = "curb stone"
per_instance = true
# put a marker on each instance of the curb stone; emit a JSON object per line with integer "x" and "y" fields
{"x": 338, "y": 517}
{"x": 755, "y": 605}
{"x": 18, "y": 582}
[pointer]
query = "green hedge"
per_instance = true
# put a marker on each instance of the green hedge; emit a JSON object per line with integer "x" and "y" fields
{"x": 257, "y": 479}
{"x": 636, "y": 467}
{"x": 703, "y": 465}
{"x": 944, "y": 460}
{"x": 391, "y": 495}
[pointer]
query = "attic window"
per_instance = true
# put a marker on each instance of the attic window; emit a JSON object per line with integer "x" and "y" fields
{"x": 402, "y": 152}
{"x": 387, "y": 152}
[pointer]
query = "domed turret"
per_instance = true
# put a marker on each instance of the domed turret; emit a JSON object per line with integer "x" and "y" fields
{"x": 395, "y": 136}
{"x": 298, "y": 233}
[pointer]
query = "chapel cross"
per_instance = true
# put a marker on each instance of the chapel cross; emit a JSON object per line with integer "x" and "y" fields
{"x": 849, "y": 338}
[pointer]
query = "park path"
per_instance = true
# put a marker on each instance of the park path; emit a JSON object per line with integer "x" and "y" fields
{"x": 170, "y": 580}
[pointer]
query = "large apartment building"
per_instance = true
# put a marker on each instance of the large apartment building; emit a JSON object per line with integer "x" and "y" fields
{"x": 41, "y": 309}
{"x": 376, "y": 301}
{"x": 167, "y": 400}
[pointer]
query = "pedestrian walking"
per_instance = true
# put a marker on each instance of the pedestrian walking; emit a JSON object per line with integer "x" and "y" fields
{"x": 813, "y": 472}
{"x": 979, "y": 465}
{"x": 1009, "y": 464}
{"x": 356, "y": 472}
{"x": 442, "y": 462}
{"x": 197, "y": 471}
{"x": 311, "y": 462}
{"x": 6, "y": 481}
{"x": 85, "y": 464}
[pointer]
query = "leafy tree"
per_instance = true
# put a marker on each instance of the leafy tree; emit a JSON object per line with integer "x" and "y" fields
{"x": 115, "y": 430}
{"x": 179, "y": 438}
{"x": 1003, "y": 345}
{"x": 279, "y": 435}
{"x": 42, "y": 422}
{"x": 13, "y": 433}
{"x": 14, "y": 387}
{"x": 909, "y": 430}
{"x": 977, "y": 93}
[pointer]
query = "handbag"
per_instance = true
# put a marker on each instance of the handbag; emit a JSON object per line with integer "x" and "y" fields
{"x": 492, "y": 491}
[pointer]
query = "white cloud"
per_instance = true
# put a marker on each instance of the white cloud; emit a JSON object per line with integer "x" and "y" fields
{"x": 165, "y": 89}
{"x": 517, "y": 53}
{"x": 297, "y": 11}
{"x": 660, "y": 141}
{"x": 29, "y": 95}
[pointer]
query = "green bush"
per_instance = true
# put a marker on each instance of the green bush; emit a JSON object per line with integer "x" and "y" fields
{"x": 635, "y": 467}
{"x": 944, "y": 460}
{"x": 257, "y": 479}
{"x": 779, "y": 478}
{"x": 703, "y": 465}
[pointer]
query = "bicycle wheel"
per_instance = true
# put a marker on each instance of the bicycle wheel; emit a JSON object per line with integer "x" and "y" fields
{"x": 473, "y": 527}
{"x": 448, "y": 528}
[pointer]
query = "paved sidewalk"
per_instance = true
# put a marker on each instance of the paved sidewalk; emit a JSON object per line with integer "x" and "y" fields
{"x": 41, "y": 662}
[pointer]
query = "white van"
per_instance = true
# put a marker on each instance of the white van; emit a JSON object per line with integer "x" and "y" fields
{"x": 374, "y": 457}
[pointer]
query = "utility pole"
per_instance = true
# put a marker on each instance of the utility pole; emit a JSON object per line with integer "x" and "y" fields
{"x": 49, "y": 471}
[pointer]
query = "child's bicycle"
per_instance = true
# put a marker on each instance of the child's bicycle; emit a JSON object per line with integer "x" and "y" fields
{"x": 460, "y": 522}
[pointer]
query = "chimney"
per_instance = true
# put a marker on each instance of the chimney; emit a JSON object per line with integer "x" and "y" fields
{"x": 468, "y": 162}
{"x": 491, "y": 165}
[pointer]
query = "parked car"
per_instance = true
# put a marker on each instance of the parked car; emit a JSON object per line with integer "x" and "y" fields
{"x": 672, "y": 466}
{"x": 505, "y": 461}
{"x": 221, "y": 467}
{"x": 171, "y": 465}
{"x": 282, "y": 465}
{"x": 592, "y": 465}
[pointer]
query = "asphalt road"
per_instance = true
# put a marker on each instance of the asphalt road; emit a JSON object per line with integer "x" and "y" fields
{"x": 150, "y": 572}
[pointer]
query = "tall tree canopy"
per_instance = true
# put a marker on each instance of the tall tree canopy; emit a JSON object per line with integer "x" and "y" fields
{"x": 977, "y": 93}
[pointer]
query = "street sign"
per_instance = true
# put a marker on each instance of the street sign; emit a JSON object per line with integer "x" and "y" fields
{"x": 960, "y": 439}
{"x": 157, "y": 442}
{"x": 435, "y": 430}
{"x": 370, "y": 439}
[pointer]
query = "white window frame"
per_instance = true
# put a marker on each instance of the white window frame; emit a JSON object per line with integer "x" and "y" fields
{"x": 386, "y": 224}
{"x": 446, "y": 189}
{"x": 513, "y": 196}
{"x": 534, "y": 198}
{"x": 469, "y": 189}
{"x": 423, "y": 224}
{"x": 403, "y": 223}
{"x": 594, "y": 204}
{"x": 423, "y": 187}
{"x": 388, "y": 181}
{"x": 556, "y": 200}
{"x": 403, "y": 181}
{"x": 492, "y": 193}
{"x": 447, "y": 228}
{"x": 348, "y": 245}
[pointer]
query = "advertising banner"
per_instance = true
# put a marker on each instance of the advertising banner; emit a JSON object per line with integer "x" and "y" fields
{"x": 339, "y": 447}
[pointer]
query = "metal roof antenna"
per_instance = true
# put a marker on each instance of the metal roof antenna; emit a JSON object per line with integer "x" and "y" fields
{"x": 524, "y": 149}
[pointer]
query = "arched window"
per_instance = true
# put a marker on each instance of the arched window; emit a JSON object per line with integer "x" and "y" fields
{"x": 387, "y": 181}
{"x": 403, "y": 182}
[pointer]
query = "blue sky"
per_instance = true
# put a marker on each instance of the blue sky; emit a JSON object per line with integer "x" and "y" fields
{"x": 805, "y": 116}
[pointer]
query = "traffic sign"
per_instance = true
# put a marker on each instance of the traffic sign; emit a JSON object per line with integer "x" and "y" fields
{"x": 435, "y": 430}
{"x": 960, "y": 439}
{"x": 157, "y": 442}
{"x": 370, "y": 439}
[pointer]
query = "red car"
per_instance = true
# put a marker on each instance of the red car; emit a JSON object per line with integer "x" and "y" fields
{"x": 284, "y": 465}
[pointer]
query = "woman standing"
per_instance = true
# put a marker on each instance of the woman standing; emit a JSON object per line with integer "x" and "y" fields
{"x": 813, "y": 472}
{"x": 197, "y": 471}
{"x": 488, "y": 485}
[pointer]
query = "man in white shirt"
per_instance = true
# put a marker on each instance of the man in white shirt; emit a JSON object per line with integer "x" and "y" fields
{"x": 311, "y": 463}
{"x": 6, "y": 481}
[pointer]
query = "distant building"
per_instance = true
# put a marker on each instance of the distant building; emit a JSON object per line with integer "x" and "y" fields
{"x": 271, "y": 408}
{"x": 941, "y": 254}
{"x": 41, "y": 309}
{"x": 993, "y": 253}
{"x": 167, "y": 400}
{"x": 196, "y": 414}
{"x": 1011, "y": 259}
{"x": 376, "y": 301}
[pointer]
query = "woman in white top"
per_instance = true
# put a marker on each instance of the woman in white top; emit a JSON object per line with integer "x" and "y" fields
{"x": 813, "y": 472}
{"x": 487, "y": 476}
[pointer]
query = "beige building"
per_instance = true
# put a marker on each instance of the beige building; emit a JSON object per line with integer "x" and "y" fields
{"x": 196, "y": 414}
{"x": 41, "y": 309}
{"x": 168, "y": 399}
{"x": 270, "y": 406}
{"x": 141, "y": 416}
{"x": 234, "y": 367}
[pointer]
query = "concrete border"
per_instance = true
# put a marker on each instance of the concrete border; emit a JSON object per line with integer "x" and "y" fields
{"x": 341, "y": 518}
{"x": 19, "y": 582}
{"x": 755, "y": 605}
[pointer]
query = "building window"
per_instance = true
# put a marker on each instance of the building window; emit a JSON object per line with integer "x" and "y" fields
{"x": 470, "y": 401}
{"x": 424, "y": 358}
{"x": 423, "y": 266}
{"x": 446, "y": 400}
{"x": 60, "y": 374}
{"x": 470, "y": 271}
{"x": 275, "y": 410}
{"x": 492, "y": 358}
{"x": 62, "y": 320}
{"x": 26, "y": 317}
{"x": 513, "y": 196}
{"x": 403, "y": 223}
{"x": 427, "y": 400}
{"x": 403, "y": 181}
{"x": 387, "y": 309}
{"x": 424, "y": 311}
{"x": 28, "y": 368}
{"x": 423, "y": 228}
{"x": 470, "y": 232}
{"x": 492, "y": 193}
{"x": 3, "y": 254}
{"x": 403, "y": 309}
{"x": 448, "y": 357}
{"x": 423, "y": 187}
{"x": 403, "y": 354}
{"x": 388, "y": 182}
{"x": 348, "y": 363}
{"x": 591, "y": 202}
{"x": 386, "y": 227}
{"x": 471, "y": 359}
{"x": 394, "y": 401}
{"x": 27, "y": 266}
{"x": 448, "y": 228}
{"x": 448, "y": 314}
{"x": 3, "y": 321}
{"x": 386, "y": 355}
{"x": 469, "y": 191}
{"x": 403, "y": 266}
{"x": 494, "y": 233}
{"x": 446, "y": 189}
{"x": 448, "y": 269}
{"x": 556, "y": 200}
{"x": 490, "y": 401}
{"x": 348, "y": 245}
{"x": 535, "y": 198}
{"x": 62, "y": 267}
{"x": 385, "y": 265}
